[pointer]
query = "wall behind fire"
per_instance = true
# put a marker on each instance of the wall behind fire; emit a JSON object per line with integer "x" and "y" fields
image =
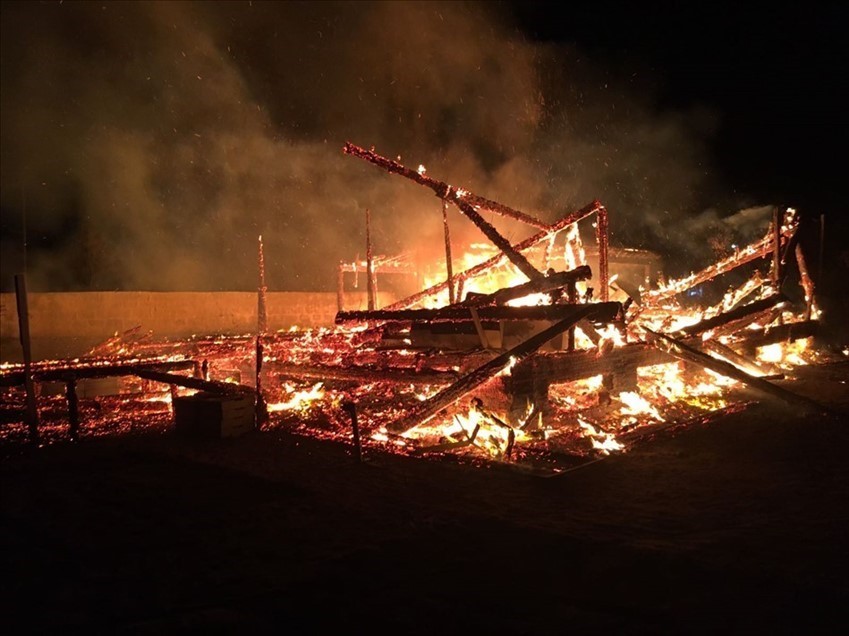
{"x": 69, "y": 324}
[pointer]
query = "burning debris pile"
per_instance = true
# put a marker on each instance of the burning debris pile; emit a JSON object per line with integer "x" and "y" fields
{"x": 532, "y": 356}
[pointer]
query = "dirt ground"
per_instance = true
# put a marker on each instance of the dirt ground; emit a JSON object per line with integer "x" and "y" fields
{"x": 739, "y": 525}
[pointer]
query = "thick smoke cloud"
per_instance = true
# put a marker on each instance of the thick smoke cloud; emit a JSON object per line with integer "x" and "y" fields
{"x": 146, "y": 145}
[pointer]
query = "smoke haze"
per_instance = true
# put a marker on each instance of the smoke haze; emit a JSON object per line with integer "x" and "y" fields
{"x": 146, "y": 145}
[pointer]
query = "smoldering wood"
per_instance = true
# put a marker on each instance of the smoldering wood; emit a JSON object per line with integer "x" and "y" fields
{"x": 738, "y": 317}
{"x": 211, "y": 386}
{"x": 561, "y": 367}
{"x": 430, "y": 407}
{"x": 360, "y": 374}
{"x": 54, "y": 373}
{"x": 498, "y": 259}
{"x": 598, "y": 312}
{"x": 685, "y": 352}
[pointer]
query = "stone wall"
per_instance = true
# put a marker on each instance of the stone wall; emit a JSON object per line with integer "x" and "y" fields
{"x": 69, "y": 323}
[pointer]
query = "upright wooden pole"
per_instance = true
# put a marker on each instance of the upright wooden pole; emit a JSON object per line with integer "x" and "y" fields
{"x": 262, "y": 307}
{"x": 370, "y": 282}
{"x": 23, "y": 329}
{"x": 449, "y": 268}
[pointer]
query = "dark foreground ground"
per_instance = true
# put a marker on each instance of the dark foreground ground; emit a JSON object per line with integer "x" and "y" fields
{"x": 738, "y": 526}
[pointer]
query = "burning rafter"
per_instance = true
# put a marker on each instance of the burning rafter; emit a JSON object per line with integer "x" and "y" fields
{"x": 759, "y": 249}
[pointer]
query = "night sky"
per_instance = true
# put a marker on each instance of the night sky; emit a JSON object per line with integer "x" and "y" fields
{"x": 145, "y": 146}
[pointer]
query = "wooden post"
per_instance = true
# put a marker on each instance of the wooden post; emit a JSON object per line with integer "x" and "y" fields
{"x": 822, "y": 248}
{"x": 73, "y": 407}
{"x": 370, "y": 282}
{"x": 23, "y": 328}
{"x": 261, "y": 408}
{"x": 776, "y": 248}
{"x": 340, "y": 288}
{"x": 805, "y": 281}
{"x": 602, "y": 239}
{"x": 351, "y": 409}
{"x": 262, "y": 308}
{"x": 449, "y": 268}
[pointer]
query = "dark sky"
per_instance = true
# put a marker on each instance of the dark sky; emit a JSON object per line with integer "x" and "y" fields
{"x": 148, "y": 144}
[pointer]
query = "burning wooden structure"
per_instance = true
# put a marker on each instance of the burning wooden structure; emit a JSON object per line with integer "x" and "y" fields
{"x": 510, "y": 359}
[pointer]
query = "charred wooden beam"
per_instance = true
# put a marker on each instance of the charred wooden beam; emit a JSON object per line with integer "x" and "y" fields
{"x": 430, "y": 407}
{"x": 212, "y": 386}
{"x": 360, "y": 374}
{"x": 552, "y": 282}
{"x": 93, "y": 370}
{"x": 568, "y": 367}
{"x": 805, "y": 281}
{"x": 738, "y": 317}
{"x": 780, "y": 333}
{"x": 499, "y": 259}
{"x": 599, "y": 312}
{"x": 685, "y": 352}
{"x": 440, "y": 188}
{"x": 458, "y": 197}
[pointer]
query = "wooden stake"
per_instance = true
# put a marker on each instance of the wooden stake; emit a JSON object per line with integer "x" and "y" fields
{"x": 23, "y": 328}
{"x": 370, "y": 282}
{"x": 73, "y": 407}
{"x": 351, "y": 409}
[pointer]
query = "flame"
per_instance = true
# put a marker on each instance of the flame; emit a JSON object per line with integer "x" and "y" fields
{"x": 601, "y": 441}
{"x": 299, "y": 401}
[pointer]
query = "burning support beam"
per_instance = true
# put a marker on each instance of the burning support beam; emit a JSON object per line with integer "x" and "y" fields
{"x": 552, "y": 282}
{"x": 735, "y": 318}
{"x": 440, "y": 188}
{"x": 262, "y": 307}
{"x": 499, "y": 259}
{"x": 684, "y": 352}
{"x": 449, "y": 267}
{"x": 754, "y": 251}
{"x": 430, "y": 407}
{"x": 466, "y": 203}
{"x": 601, "y": 312}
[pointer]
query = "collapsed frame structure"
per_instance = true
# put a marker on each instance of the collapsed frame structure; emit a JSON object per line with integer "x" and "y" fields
{"x": 455, "y": 349}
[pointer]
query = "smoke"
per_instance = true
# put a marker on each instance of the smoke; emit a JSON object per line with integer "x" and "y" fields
{"x": 147, "y": 145}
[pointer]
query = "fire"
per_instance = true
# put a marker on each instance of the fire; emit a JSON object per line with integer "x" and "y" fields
{"x": 606, "y": 443}
{"x": 785, "y": 354}
{"x": 299, "y": 401}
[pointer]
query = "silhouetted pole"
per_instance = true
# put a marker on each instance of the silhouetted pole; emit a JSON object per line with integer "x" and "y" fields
{"x": 23, "y": 329}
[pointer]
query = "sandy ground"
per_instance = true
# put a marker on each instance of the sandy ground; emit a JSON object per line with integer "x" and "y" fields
{"x": 740, "y": 525}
